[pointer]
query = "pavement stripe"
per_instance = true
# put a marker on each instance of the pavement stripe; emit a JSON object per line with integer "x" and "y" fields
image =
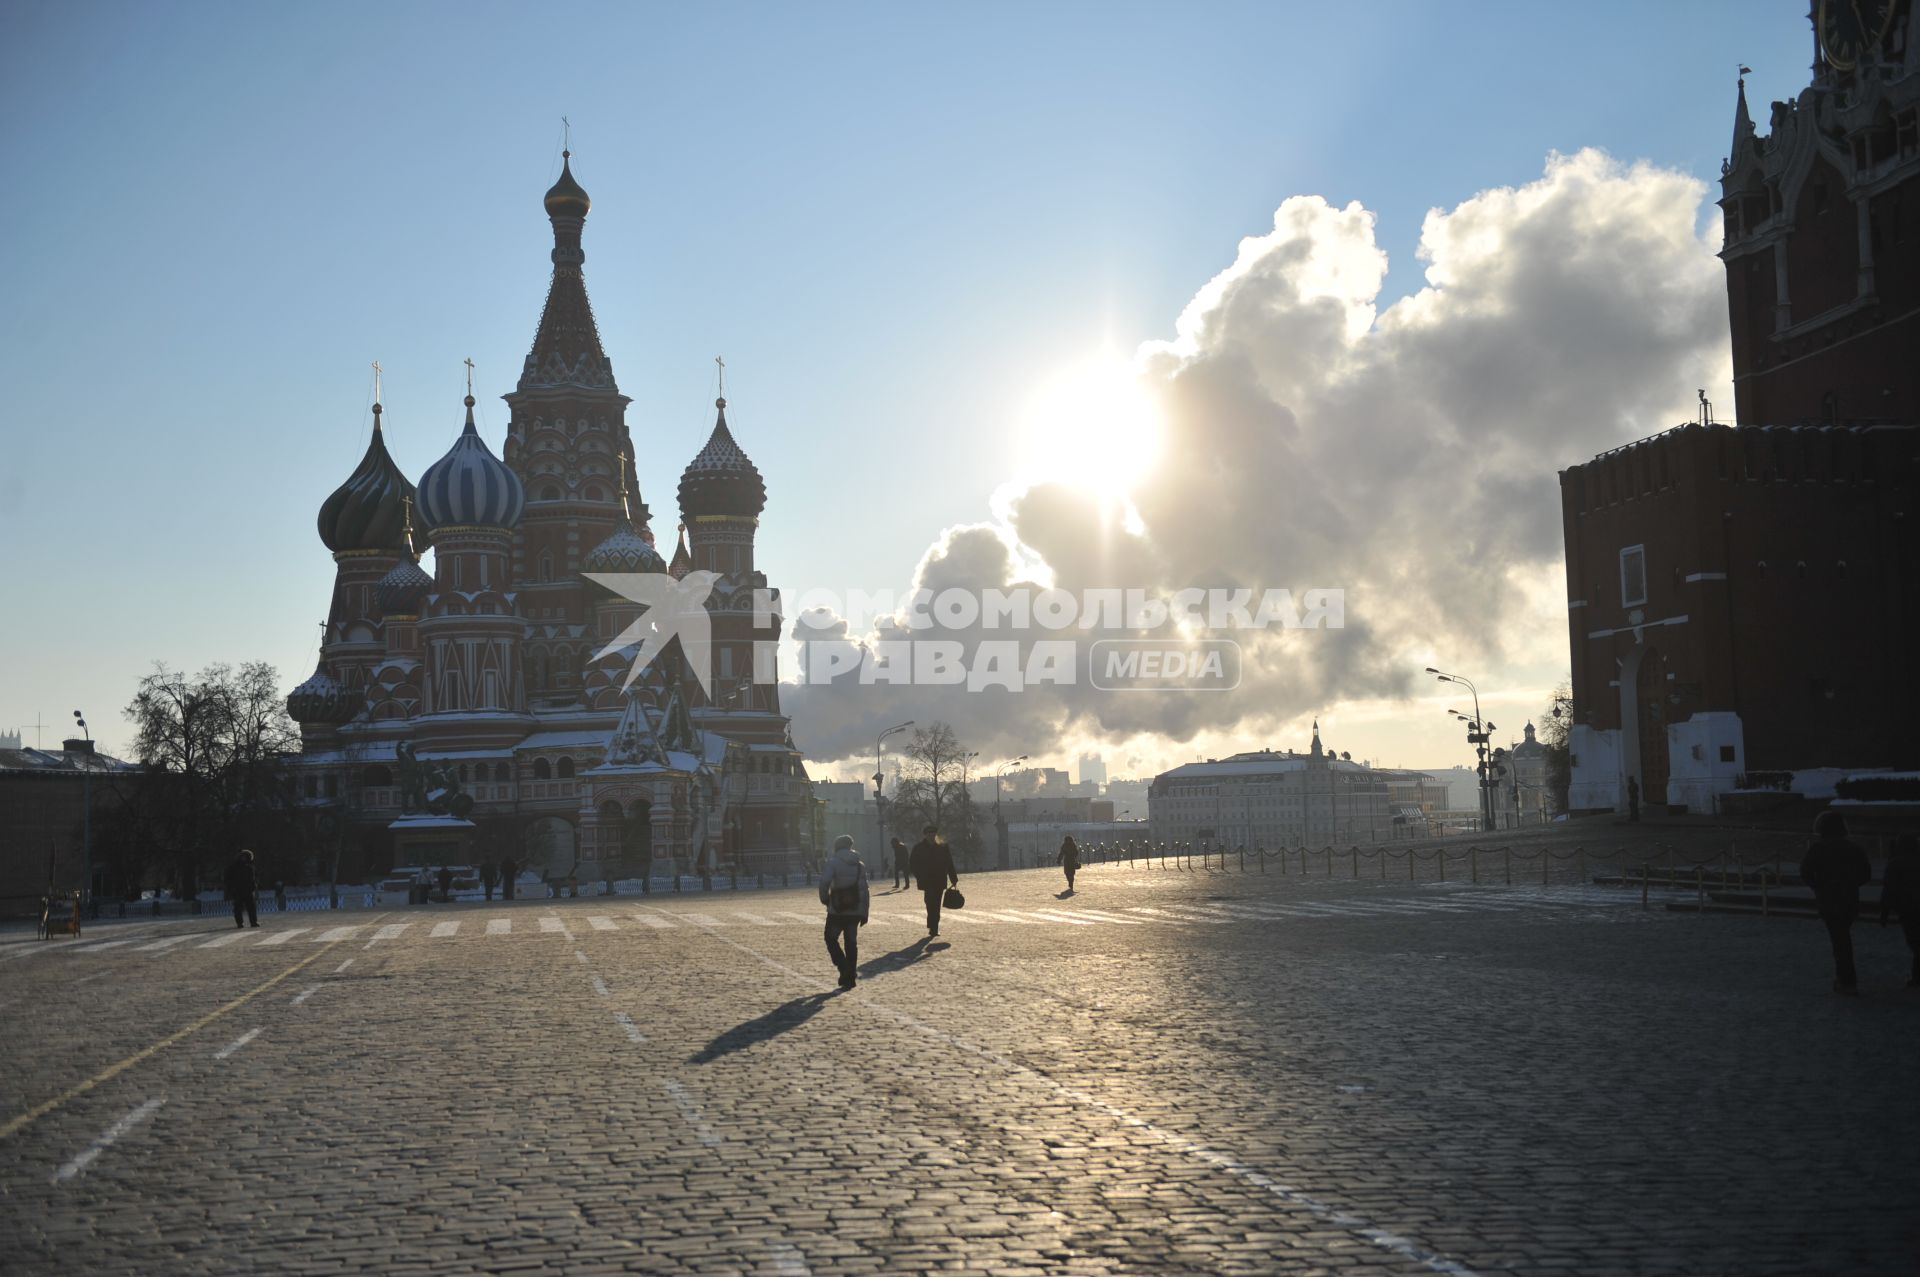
{"x": 1005, "y": 917}
{"x": 338, "y": 933}
{"x": 168, "y": 943}
{"x": 787, "y": 1260}
{"x": 113, "y": 944}
{"x": 809, "y": 920}
{"x": 444, "y": 929}
{"x": 281, "y": 937}
{"x": 657, "y": 923}
{"x": 388, "y": 932}
{"x": 112, "y": 1071}
{"x": 343, "y": 966}
{"x": 499, "y": 926}
{"x": 236, "y": 1044}
{"x": 1051, "y": 916}
{"x": 1168, "y": 916}
{"x": 1097, "y": 916}
{"x": 552, "y": 924}
{"x": 756, "y": 919}
{"x": 628, "y": 1027}
{"x": 600, "y": 987}
{"x": 218, "y": 941}
{"x": 600, "y": 922}
{"x": 106, "y": 1140}
{"x": 691, "y": 1111}
{"x": 304, "y": 994}
{"x": 704, "y": 920}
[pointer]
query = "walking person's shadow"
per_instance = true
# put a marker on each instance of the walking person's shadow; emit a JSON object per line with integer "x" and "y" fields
{"x": 1062, "y": 895}
{"x": 788, "y": 1015}
{"x": 899, "y": 960}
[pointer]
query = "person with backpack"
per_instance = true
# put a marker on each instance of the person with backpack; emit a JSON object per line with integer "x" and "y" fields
{"x": 932, "y": 864}
{"x": 843, "y": 890}
{"x": 1069, "y": 858}
{"x": 243, "y": 888}
{"x": 1836, "y": 869}
{"x": 1900, "y": 892}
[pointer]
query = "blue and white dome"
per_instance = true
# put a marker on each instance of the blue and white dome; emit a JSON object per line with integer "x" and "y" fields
{"x": 470, "y": 487}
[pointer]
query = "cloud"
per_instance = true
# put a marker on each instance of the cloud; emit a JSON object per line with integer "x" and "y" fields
{"x": 1408, "y": 456}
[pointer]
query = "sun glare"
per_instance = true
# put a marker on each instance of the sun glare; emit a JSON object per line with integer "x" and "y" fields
{"x": 1093, "y": 426}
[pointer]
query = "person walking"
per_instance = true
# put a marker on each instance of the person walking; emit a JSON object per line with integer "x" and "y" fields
{"x": 932, "y": 865}
{"x": 902, "y": 875}
{"x": 1836, "y": 869}
{"x": 489, "y": 876}
{"x": 445, "y": 879}
{"x": 843, "y": 890}
{"x": 243, "y": 889}
{"x": 1900, "y": 891}
{"x": 509, "y": 872}
{"x": 279, "y": 896}
{"x": 1069, "y": 858}
{"x": 1633, "y": 798}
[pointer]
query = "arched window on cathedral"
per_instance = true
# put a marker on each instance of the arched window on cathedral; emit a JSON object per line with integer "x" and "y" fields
{"x": 541, "y": 770}
{"x": 566, "y": 769}
{"x": 539, "y": 660}
{"x": 562, "y": 669}
{"x": 546, "y": 565}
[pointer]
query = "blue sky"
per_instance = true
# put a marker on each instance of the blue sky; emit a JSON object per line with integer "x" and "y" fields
{"x": 894, "y": 221}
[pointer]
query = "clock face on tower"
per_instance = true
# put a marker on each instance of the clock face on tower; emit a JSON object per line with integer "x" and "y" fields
{"x": 1852, "y": 29}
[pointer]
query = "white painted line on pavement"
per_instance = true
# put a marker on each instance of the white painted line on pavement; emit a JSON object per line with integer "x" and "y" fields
{"x": 580, "y": 955}
{"x": 304, "y": 994}
{"x": 339, "y": 933}
{"x": 551, "y": 923}
{"x": 215, "y": 943}
{"x": 86, "y": 979}
{"x": 168, "y": 943}
{"x": 704, "y": 920}
{"x": 658, "y": 924}
{"x": 387, "y": 932}
{"x": 343, "y": 966}
{"x": 106, "y": 1139}
{"x": 600, "y": 987}
{"x": 1163, "y": 916}
{"x": 600, "y": 922}
{"x": 236, "y": 1044}
{"x": 787, "y": 1260}
{"x": 627, "y": 1026}
{"x": 691, "y": 1111}
{"x": 1094, "y": 915}
{"x": 112, "y": 944}
{"x": 756, "y": 919}
{"x": 281, "y": 937}
{"x": 805, "y": 919}
{"x": 444, "y": 929}
{"x": 499, "y": 926}
{"x": 1080, "y": 916}
{"x": 1002, "y": 917}
{"x": 1394, "y": 1243}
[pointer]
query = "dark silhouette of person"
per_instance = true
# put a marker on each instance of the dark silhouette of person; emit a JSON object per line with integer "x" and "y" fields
{"x": 1836, "y": 869}
{"x": 445, "y": 878}
{"x": 509, "y": 873}
{"x": 1633, "y": 798}
{"x": 489, "y": 876}
{"x": 243, "y": 889}
{"x": 1900, "y": 892}
{"x": 280, "y": 896}
{"x": 1069, "y": 858}
{"x": 843, "y": 890}
{"x": 932, "y": 865}
{"x": 902, "y": 876}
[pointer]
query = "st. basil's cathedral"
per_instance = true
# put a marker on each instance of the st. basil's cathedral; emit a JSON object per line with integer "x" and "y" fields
{"x": 468, "y": 713}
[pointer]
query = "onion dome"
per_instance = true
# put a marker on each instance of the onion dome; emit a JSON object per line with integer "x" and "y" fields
{"x": 401, "y": 591}
{"x": 321, "y": 699}
{"x": 470, "y": 487}
{"x": 368, "y": 511}
{"x": 721, "y": 480}
{"x": 565, "y": 198}
{"x": 682, "y": 561}
{"x": 624, "y": 551}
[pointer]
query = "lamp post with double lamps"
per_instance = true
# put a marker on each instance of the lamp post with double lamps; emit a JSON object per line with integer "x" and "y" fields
{"x": 86, "y": 815}
{"x": 999, "y": 825}
{"x": 1478, "y": 729}
{"x": 880, "y": 779}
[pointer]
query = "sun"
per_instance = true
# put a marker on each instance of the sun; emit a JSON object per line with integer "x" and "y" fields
{"x": 1093, "y": 426}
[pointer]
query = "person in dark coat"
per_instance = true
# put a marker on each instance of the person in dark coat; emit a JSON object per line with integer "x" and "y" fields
{"x": 445, "y": 878}
{"x": 843, "y": 890}
{"x": 1069, "y": 858}
{"x": 1836, "y": 869}
{"x": 932, "y": 864}
{"x": 280, "y": 896}
{"x": 1633, "y": 798}
{"x": 489, "y": 876}
{"x": 1900, "y": 892}
{"x": 243, "y": 889}
{"x": 902, "y": 874}
{"x": 509, "y": 873}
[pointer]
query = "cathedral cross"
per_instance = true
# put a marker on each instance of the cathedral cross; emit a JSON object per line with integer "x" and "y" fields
{"x": 469, "y": 364}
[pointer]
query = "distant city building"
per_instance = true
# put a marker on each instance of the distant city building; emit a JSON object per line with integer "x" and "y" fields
{"x": 1035, "y": 782}
{"x": 1092, "y": 769}
{"x": 1521, "y": 797}
{"x": 1127, "y": 795}
{"x": 1271, "y": 798}
{"x": 44, "y": 798}
{"x": 484, "y": 710}
{"x": 10, "y": 740}
{"x": 1059, "y": 807}
{"x": 849, "y": 809}
{"x": 1741, "y": 598}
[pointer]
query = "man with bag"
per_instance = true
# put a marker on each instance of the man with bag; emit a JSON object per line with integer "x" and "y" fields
{"x": 843, "y": 890}
{"x": 932, "y": 862}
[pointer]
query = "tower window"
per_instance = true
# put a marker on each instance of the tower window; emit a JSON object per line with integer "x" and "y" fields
{"x": 1633, "y": 576}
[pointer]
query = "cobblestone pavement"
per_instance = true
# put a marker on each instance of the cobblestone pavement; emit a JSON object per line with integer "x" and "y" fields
{"x": 1164, "y": 1073}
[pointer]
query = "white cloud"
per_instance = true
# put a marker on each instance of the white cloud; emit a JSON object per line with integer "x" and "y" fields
{"x": 1408, "y": 456}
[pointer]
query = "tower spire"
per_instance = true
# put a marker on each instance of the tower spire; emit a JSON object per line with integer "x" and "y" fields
{"x": 566, "y": 347}
{"x": 376, "y": 394}
{"x": 1743, "y": 134}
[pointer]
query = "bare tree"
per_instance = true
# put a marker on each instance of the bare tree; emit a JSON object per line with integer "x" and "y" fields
{"x": 930, "y": 790}
{"x": 1556, "y": 732}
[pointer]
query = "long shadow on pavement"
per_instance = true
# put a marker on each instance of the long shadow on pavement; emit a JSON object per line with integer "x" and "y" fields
{"x": 788, "y": 1015}
{"x": 898, "y": 960}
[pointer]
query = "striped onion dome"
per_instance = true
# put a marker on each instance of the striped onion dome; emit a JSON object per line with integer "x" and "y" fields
{"x": 470, "y": 487}
{"x": 321, "y": 699}
{"x": 368, "y": 510}
{"x": 625, "y": 551}
{"x": 401, "y": 590}
{"x": 722, "y": 479}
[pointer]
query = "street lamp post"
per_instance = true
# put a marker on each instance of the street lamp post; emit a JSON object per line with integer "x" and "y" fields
{"x": 880, "y": 780}
{"x": 86, "y": 816}
{"x": 999, "y": 825}
{"x": 1477, "y": 734}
